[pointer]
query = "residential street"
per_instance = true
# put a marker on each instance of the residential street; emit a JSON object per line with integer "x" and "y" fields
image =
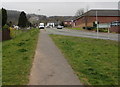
{"x": 59, "y": 43}
{"x": 79, "y": 33}
{"x": 49, "y": 66}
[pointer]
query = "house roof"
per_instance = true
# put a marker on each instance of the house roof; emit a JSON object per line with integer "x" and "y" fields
{"x": 69, "y": 19}
{"x": 101, "y": 13}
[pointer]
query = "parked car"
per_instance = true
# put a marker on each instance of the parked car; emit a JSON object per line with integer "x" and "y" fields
{"x": 115, "y": 23}
{"x": 59, "y": 27}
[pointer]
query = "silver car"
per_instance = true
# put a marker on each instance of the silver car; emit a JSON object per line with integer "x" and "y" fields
{"x": 59, "y": 27}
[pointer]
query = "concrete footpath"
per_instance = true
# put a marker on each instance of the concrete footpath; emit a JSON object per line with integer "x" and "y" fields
{"x": 49, "y": 66}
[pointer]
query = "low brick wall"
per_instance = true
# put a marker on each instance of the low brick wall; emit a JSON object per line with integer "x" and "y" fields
{"x": 5, "y": 34}
{"x": 115, "y": 29}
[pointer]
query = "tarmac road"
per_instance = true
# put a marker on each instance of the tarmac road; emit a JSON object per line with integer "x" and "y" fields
{"x": 79, "y": 33}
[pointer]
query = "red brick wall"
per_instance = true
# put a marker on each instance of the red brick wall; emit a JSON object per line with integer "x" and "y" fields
{"x": 115, "y": 29}
{"x": 80, "y": 22}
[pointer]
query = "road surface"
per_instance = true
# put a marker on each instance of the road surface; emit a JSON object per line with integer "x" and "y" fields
{"x": 80, "y": 33}
{"x": 49, "y": 66}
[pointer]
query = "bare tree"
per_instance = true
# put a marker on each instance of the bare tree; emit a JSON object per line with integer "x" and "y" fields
{"x": 86, "y": 17}
{"x": 79, "y": 12}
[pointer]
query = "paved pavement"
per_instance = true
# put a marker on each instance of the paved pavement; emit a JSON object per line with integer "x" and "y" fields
{"x": 79, "y": 33}
{"x": 49, "y": 66}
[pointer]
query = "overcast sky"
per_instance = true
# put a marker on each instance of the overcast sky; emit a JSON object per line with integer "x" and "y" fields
{"x": 60, "y": 0}
{"x": 58, "y": 8}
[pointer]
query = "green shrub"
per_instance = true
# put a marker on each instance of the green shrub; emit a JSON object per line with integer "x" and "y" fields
{"x": 103, "y": 30}
{"x": 5, "y": 33}
{"x": 5, "y": 26}
{"x": 14, "y": 33}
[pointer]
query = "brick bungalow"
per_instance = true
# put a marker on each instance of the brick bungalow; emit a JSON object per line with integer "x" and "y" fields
{"x": 103, "y": 16}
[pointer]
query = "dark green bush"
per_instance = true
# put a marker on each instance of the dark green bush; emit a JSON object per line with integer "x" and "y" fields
{"x": 88, "y": 28}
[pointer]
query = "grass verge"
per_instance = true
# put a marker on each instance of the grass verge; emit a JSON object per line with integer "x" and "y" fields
{"x": 17, "y": 59}
{"x": 94, "y": 61}
{"x": 74, "y": 28}
{"x": 0, "y": 57}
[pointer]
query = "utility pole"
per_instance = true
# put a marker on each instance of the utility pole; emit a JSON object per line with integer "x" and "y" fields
{"x": 97, "y": 22}
{"x": 38, "y": 11}
{"x": 38, "y": 16}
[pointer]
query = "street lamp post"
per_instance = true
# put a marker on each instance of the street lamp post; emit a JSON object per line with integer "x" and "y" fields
{"x": 97, "y": 23}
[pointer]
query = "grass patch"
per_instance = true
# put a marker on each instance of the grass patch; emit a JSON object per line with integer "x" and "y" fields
{"x": 77, "y": 28}
{"x": 94, "y": 61}
{"x": 0, "y": 63}
{"x": 18, "y": 55}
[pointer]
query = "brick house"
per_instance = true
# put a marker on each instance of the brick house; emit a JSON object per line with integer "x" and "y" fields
{"x": 88, "y": 19}
{"x": 68, "y": 22}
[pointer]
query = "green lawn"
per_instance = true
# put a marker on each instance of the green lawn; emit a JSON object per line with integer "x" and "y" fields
{"x": 0, "y": 63}
{"x": 94, "y": 61}
{"x": 18, "y": 54}
{"x": 74, "y": 28}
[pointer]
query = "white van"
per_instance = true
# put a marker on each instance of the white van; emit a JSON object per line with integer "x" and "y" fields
{"x": 41, "y": 26}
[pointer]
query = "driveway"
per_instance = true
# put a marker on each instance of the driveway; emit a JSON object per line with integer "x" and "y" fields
{"x": 80, "y": 33}
{"x": 49, "y": 66}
